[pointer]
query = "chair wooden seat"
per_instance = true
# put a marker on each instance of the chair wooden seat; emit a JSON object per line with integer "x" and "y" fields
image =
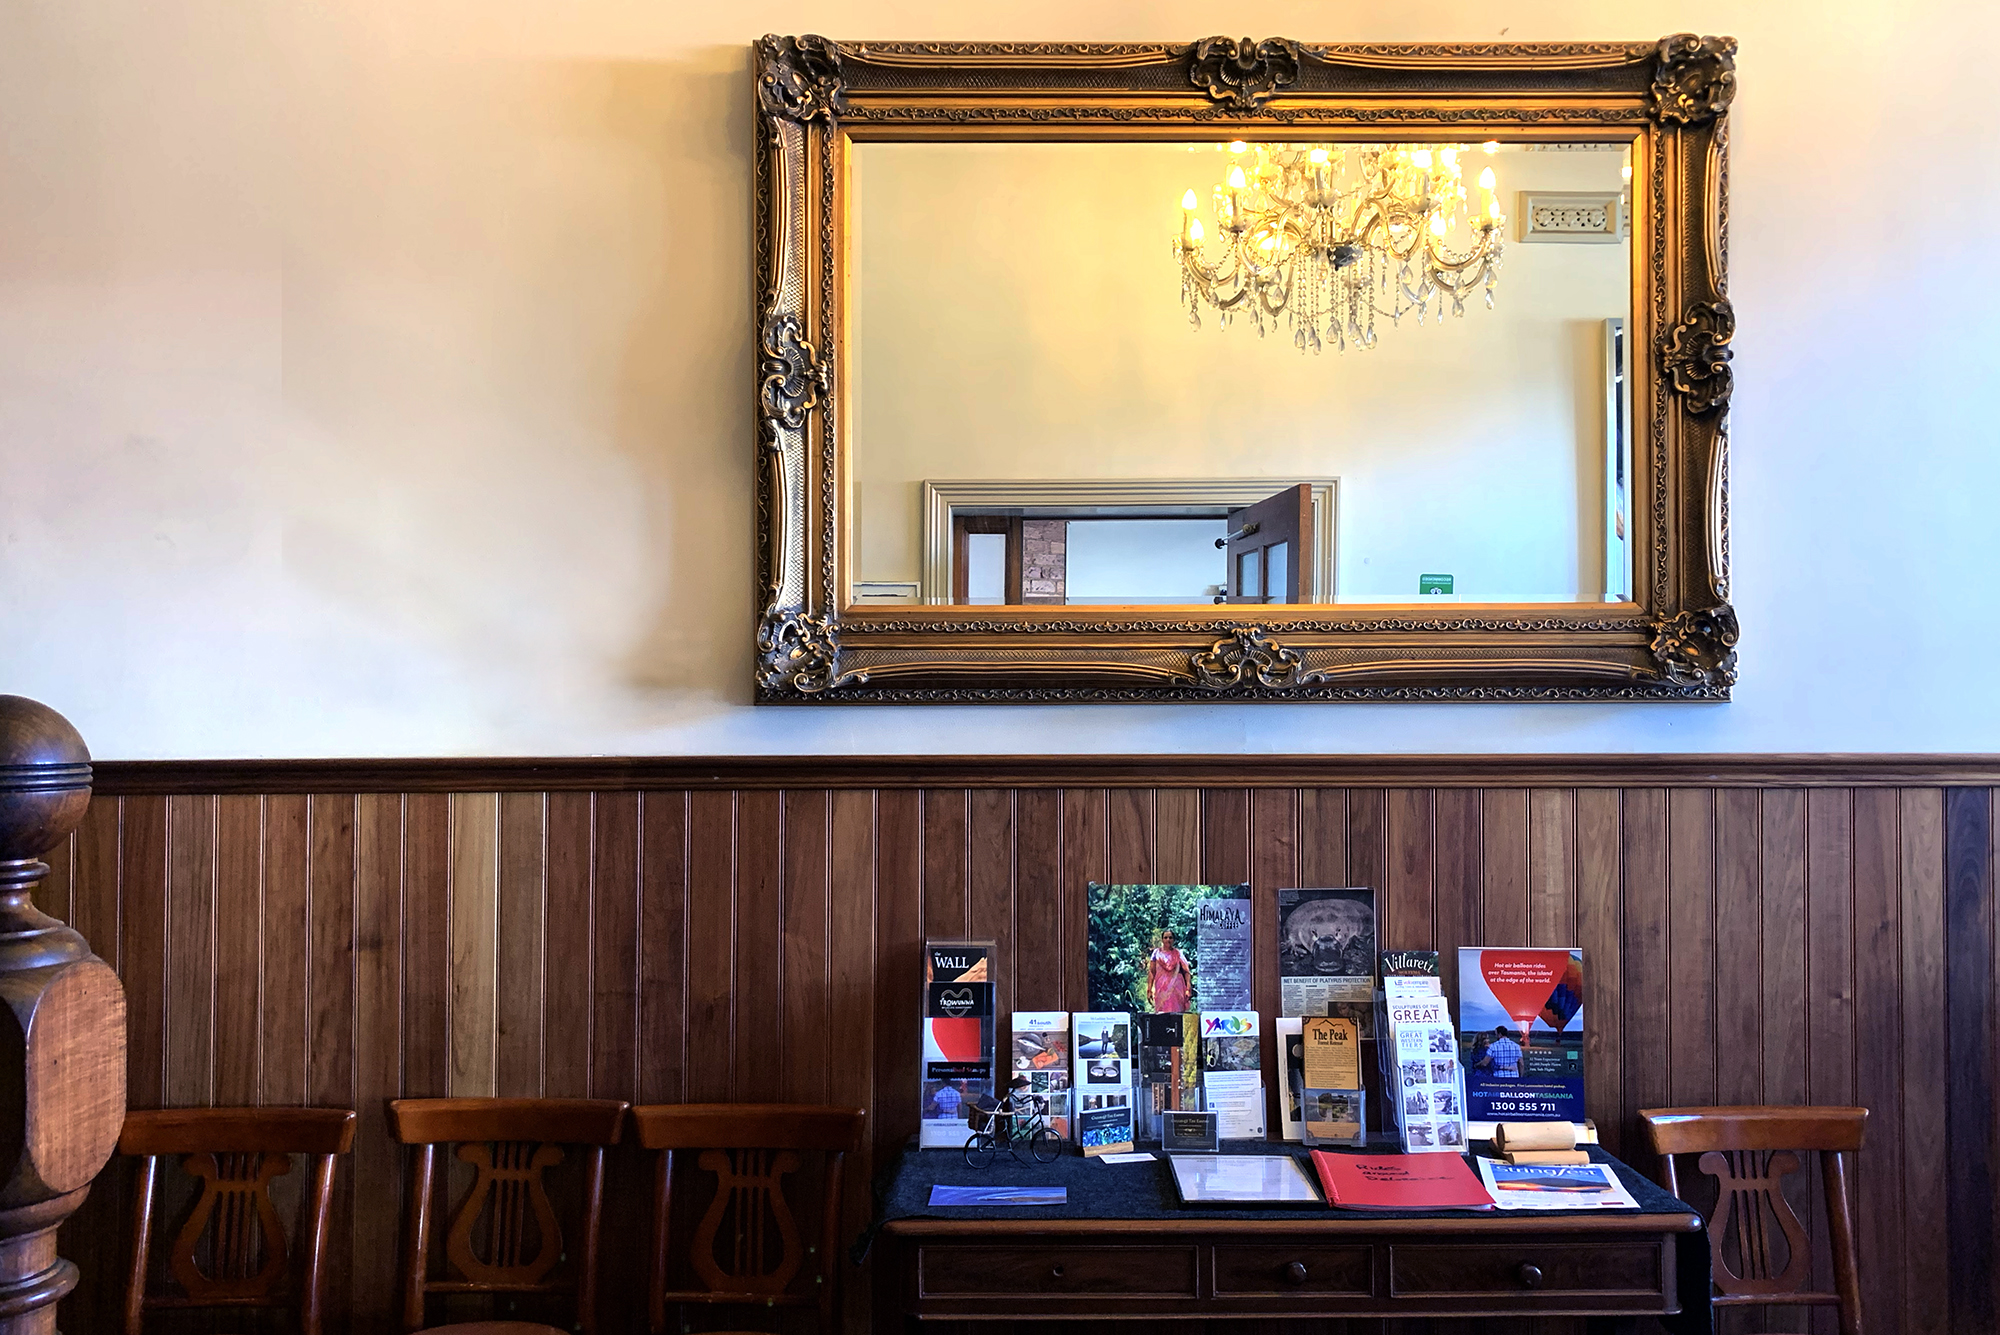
{"x": 1749, "y": 1151}
{"x": 232, "y": 1251}
{"x": 511, "y": 1145}
{"x": 748, "y": 1248}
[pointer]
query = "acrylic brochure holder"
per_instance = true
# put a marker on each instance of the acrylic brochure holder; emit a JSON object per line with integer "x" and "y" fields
{"x": 957, "y": 1017}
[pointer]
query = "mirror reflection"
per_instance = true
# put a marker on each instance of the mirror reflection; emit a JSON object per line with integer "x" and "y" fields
{"x": 1130, "y": 374}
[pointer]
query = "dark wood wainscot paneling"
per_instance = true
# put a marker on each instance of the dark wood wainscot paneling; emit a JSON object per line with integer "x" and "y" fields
{"x": 1758, "y": 929}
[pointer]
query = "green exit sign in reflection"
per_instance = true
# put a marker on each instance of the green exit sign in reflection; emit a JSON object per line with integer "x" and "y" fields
{"x": 1434, "y": 584}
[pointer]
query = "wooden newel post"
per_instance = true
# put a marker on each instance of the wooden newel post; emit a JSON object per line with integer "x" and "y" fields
{"x": 62, "y": 1023}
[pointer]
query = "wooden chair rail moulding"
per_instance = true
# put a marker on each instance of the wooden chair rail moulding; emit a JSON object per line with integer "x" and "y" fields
{"x": 626, "y": 774}
{"x": 750, "y": 1149}
{"x": 511, "y": 1144}
{"x": 236, "y": 1153}
{"x": 1750, "y": 1151}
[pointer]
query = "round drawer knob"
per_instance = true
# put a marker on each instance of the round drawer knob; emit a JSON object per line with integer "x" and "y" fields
{"x": 1531, "y": 1275}
{"x": 1296, "y": 1272}
{"x": 1056, "y": 1272}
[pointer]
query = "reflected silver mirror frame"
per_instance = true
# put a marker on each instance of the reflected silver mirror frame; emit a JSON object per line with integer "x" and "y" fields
{"x": 1675, "y": 641}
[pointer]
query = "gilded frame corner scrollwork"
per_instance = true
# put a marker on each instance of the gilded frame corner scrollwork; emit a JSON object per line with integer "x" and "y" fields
{"x": 1675, "y": 641}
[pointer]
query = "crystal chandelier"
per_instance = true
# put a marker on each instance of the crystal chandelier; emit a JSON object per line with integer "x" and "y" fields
{"x": 1329, "y": 237}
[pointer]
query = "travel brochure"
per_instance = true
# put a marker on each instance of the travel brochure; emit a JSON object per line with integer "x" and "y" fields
{"x": 1039, "y": 1054}
{"x": 1232, "y": 1073}
{"x": 1422, "y": 1086}
{"x": 1332, "y": 1100}
{"x": 1550, "y": 1186}
{"x": 1521, "y": 1028}
{"x": 999, "y": 1195}
{"x": 1292, "y": 1087}
{"x": 1169, "y": 1068}
{"x": 1103, "y": 1075}
{"x": 1172, "y": 1030}
{"x": 958, "y": 1048}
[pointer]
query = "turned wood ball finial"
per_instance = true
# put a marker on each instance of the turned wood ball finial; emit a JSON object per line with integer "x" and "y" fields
{"x": 44, "y": 790}
{"x": 62, "y": 1023}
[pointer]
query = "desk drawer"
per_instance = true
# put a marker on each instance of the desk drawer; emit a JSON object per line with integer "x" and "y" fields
{"x": 1282, "y": 1269}
{"x": 1055, "y": 1272}
{"x": 1436, "y": 1270}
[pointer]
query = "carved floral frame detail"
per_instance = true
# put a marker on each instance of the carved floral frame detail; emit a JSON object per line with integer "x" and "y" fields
{"x": 1669, "y": 99}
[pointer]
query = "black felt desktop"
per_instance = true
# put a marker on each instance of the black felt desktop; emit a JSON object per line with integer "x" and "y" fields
{"x": 1146, "y": 1191}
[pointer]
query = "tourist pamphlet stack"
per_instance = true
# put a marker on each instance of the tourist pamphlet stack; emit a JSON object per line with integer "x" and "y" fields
{"x": 958, "y": 1039}
{"x": 1521, "y": 1035}
{"x": 1292, "y": 1076}
{"x": 1333, "y": 1099}
{"x": 1103, "y": 1080}
{"x": 1422, "y": 1084}
{"x": 1232, "y": 1076}
{"x": 1039, "y": 1054}
{"x": 1169, "y": 1069}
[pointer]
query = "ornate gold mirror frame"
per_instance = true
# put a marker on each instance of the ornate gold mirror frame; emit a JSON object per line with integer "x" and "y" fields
{"x": 1668, "y": 99}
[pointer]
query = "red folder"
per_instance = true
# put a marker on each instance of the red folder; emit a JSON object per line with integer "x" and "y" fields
{"x": 1399, "y": 1182}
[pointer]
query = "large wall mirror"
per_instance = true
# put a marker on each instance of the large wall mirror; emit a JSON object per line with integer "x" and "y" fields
{"x": 1243, "y": 370}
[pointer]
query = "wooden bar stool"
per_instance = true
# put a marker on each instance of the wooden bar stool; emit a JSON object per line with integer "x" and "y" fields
{"x": 1749, "y": 1152}
{"x": 234, "y": 1225}
{"x": 747, "y": 1248}
{"x": 511, "y": 1144}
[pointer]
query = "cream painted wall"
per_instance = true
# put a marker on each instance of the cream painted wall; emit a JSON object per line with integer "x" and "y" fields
{"x": 373, "y": 379}
{"x": 1018, "y": 314}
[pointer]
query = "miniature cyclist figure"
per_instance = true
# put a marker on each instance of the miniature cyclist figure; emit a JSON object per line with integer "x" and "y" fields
{"x": 1022, "y": 1120}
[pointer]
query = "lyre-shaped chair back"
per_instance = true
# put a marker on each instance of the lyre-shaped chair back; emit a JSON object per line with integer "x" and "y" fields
{"x": 231, "y": 1251}
{"x": 1759, "y": 1247}
{"x": 752, "y": 1244}
{"x": 505, "y": 1235}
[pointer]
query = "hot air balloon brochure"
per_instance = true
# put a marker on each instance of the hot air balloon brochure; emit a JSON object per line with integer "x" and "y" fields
{"x": 1039, "y": 1054}
{"x": 1103, "y": 1044}
{"x": 1521, "y": 1033}
{"x": 958, "y": 1018}
{"x": 1326, "y": 953}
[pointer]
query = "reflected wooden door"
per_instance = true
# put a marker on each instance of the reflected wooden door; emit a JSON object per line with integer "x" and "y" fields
{"x": 964, "y": 581}
{"x": 1269, "y": 548}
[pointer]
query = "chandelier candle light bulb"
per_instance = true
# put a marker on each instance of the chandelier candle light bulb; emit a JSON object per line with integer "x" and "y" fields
{"x": 1327, "y": 237}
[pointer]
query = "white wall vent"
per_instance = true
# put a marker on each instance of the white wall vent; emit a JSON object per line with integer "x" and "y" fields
{"x": 1572, "y": 216}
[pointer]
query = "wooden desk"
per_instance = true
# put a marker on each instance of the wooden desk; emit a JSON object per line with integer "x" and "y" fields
{"x": 1123, "y": 1247}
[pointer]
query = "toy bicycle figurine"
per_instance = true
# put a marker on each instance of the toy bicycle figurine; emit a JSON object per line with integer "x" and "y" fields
{"x": 1022, "y": 1120}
